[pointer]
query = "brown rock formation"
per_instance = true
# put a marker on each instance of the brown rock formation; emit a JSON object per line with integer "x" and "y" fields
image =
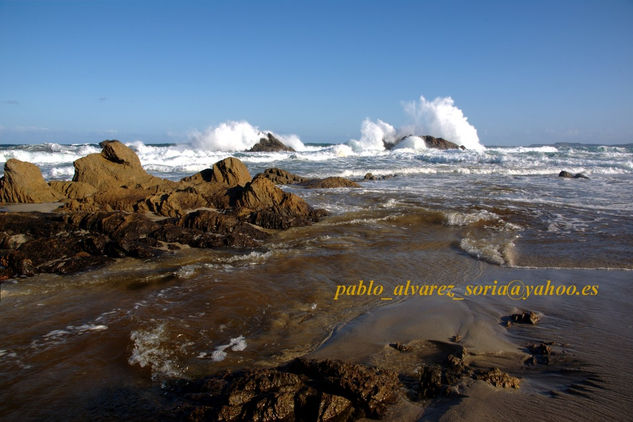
{"x": 266, "y": 205}
{"x": 72, "y": 190}
{"x": 116, "y": 166}
{"x": 282, "y": 177}
{"x": 23, "y": 182}
{"x": 229, "y": 172}
{"x": 329, "y": 183}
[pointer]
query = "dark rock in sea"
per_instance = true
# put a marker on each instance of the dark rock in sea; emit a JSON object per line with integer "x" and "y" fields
{"x": 270, "y": 144}
{"x": 569, "y": 175}
{"x": 526, "y": 317}
{"x": 430, "y": 141}
{"x": 23, "y": 182}
{"x": 330, "y": 182}
{"x": 299, "y": 391}
{"x": 282, "y": 177}
{"x": 370, "y": 176}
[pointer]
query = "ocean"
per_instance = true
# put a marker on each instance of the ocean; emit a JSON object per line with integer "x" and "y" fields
{"x": 101, "y": 343}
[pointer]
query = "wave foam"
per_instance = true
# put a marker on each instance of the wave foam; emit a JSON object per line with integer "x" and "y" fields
{"x": 150, "y": 349}
{"x": 237, "y": 136}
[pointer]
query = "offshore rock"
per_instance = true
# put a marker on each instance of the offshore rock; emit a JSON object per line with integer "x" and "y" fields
{"x": 23, "y": 183}
{"x": 329, "y": 183}
{"x": 270, "y": 144}
{"x": 569, "y": 175}
{"x": 282, "y": 177}
{"x": 430, "y": 141}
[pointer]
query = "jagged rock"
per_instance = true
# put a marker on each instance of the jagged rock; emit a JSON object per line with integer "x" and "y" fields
{"x": 268, "y": 206}
{"x": 430, "y": 141}
{"x": 330, "y": 182}
{"x": 524, "y": 318}
{"x": 72, "y": 190}
{"x": 270, "y": 144}
{"x": 229, "y": 172}
{"x": 282, "y": 177}
{"x": 176, "y": 204}
{"x": 23, "y": 182}
{"x": 117, "y": 165}
{"x": 302, "y": 390}
{"x": 497, "y": 378}
{"x": 371, "y": 176}
{"x": 569, "y": 175}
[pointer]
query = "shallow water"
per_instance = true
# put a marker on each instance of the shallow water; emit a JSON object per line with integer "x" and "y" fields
{"x": 96, "y": 344}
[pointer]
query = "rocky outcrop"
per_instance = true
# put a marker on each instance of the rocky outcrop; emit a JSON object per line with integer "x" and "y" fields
{"x": 229, "y": 172}
{"x": 105, "y": 217}
{"x": 430, "y": 141}
{"x": 569, "y": 175}
{"x": 23, "y": 183}
{"x": 282, "y": 177}
{"x": 526, "y": 317}
{"x": 117, "y": 165}
{"x": 63, "y": 243}
{"x": 302, "y": 390}
{"x": 72, "y": 190}
{"x": 270, "y": 144}
{"x": 329, "y": 183}
{"x": 264, "y": 204}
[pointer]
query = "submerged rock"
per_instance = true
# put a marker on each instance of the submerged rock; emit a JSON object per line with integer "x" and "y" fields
{"x": 430, "y": 141}
{"x": 569, "y": 175}
{"x": 270, "y": 144}
{"x": 526, "y": 317}
{"x": 330, "y": 182}
{"x": 23, "y": 183}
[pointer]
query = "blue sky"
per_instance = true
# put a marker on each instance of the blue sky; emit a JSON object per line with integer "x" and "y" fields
{"x": 522, "y": 71}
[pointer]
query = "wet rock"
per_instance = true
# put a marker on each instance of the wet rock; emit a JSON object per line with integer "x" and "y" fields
{"x": 282, "y": 177}
{"x": 569, "y": 175}
{"x": 265, "y": 205}
{"x": 430, "y": 141}
{"x": 371, "y": 176}
{"x": 23, "y": 183}
{"x": 330, "y": 182}
{"x": 400, "y": 347}
{"x": 270, "y": 144}
{"x": 431, "y": 384}
{"x": 497, "y": 378}
{"x": 302, "y": 390}
{"x": 526, "y": 317}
